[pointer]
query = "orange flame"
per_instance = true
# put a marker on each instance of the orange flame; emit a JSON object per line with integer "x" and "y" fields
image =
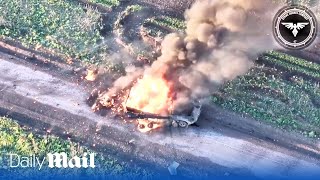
{"x": 91, "y": 75}
{"x": 150, "y": 94}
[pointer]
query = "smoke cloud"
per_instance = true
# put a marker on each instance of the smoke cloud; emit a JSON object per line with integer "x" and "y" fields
{"x": 221, "y": 41}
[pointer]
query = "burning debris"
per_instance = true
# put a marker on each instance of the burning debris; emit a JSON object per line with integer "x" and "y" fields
{"x": 122, "y": 106}
{"x": 220, "y": 38}
{"x": 92, "y": 74}
{"x": 150, "y": 94}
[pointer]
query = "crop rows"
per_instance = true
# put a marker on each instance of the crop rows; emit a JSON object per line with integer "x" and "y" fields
{"x": 265, "y": 96}
{"x": 169, "y": 22}
{"x": 293, "y": 67}
{"x": 295, "y": 60}
{"x": 155, "y": 31}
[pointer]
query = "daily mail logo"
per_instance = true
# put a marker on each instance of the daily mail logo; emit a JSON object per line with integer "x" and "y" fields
{"x": 61, "y": 160}
{"x": 52, "y": 160}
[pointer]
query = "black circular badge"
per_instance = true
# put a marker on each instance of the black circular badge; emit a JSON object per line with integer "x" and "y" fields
{"x": 295, "y": 27}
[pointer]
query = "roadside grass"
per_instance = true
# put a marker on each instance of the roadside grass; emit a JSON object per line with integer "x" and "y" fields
{"x": 107, "y": 3}
{"x": 16, "y": 139}
{"x": 287, "y": 97}
{"x": 62, "y": 26}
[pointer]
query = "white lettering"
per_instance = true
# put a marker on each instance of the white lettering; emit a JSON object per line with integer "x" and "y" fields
{"x": 55, "y": 160}
{"x": 92, "y": 160}
{"x": 11, "y": 160}
{"x": 24, "y": 162}
{"x": 40, "y": 164}
{"x": 75, "y": 162}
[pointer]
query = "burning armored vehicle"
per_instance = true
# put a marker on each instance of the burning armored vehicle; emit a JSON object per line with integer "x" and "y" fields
{"x": 146, "y": 121}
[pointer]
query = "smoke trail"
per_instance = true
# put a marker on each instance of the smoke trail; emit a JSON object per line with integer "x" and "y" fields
{"x": 221, "y": 39}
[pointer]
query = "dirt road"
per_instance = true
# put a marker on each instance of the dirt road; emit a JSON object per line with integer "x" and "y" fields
{"x": 51, "y": 104}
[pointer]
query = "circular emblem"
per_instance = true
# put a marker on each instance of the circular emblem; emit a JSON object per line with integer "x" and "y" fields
{"x": 295, "y": 27}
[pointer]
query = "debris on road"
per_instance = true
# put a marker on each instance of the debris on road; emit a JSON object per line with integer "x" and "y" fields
{"x": 92, "y": 74}
{"x": 173, "y": 168}
{"x": 132, "y": 141}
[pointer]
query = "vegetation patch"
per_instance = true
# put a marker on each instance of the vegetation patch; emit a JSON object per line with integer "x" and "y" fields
{"x": 16, "y": 139}
{"x": 155, "y": 30}
{"x": 107, "y": 3}
{"x": 62, "y": 26}
{"x": 122, "y": 17}
{"x": 278, "y": 97}
{"x": 294, "y": 60}
{"x": 293, "y": 64}
{"x": 169, "y": 22}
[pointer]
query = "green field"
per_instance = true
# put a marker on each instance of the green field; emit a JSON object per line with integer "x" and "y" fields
{"x": 106, "y": 3}
{"x": 61, "y": 26}
{"x": 281, "y": 90}
{"x": 160, "y": 26}
{"x": 169, "y": 22}
{"x": 20, "y": 140}
{"x": 68, "y": 29}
